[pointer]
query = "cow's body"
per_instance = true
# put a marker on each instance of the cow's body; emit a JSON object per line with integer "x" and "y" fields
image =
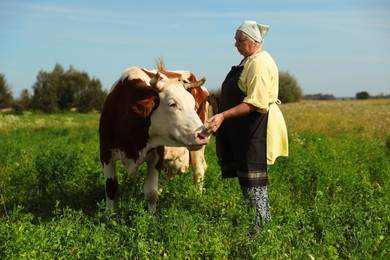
{"x": 138, "y": 120}
{"x": 176, "y": 160}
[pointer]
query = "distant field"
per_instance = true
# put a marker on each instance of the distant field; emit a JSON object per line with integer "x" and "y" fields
{"x": 360, "y": 117}
{"x": 329, "y": 197}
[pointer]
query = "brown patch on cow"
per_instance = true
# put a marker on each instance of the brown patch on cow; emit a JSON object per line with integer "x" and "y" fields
{"x": 144, "y": 108}
{"x": 170, "y": 74}
{"x": 200, "y": 96}
{"x": 124, "y": 121}
{"x": 192, "y": 78}
{"x": 111, "y": 188}
{"x": 150, "y": 74}
{"x": 160, "y": 154}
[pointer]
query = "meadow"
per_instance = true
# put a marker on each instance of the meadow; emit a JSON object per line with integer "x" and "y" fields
{"x": 329, "y": 197}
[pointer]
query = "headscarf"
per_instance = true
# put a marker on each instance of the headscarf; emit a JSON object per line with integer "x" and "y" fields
{"x": 254, "y": 30}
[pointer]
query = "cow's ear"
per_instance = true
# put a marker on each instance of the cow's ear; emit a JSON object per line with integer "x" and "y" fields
{"x": 144, "y": 108}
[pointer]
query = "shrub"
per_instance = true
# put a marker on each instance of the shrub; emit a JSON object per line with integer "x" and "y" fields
{"x": 289, "y": 89}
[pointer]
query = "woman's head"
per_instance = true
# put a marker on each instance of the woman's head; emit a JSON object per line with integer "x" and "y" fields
{"x": 249, "y": 37}
{"x": 245, "y": 45}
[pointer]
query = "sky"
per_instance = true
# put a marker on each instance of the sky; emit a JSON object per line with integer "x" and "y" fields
{"x": 335, "y": 47}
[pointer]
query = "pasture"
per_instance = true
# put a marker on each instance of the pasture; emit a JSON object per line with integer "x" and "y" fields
{"x": 329, "y": 198}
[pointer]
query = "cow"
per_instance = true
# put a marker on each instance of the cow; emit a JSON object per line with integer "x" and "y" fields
{"x": 178, "y": 159}
{"x": 145, "y": 111}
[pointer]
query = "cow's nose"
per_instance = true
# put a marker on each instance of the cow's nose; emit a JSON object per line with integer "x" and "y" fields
{"x": 203, "y": 137}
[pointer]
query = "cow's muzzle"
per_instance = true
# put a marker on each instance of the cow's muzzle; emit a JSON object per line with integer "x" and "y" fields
{"x": 202, "y": 138}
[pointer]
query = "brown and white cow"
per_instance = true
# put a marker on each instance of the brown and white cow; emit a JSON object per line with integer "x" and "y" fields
{"x": 178, "y": 159}
{"x": 145, "y": 111}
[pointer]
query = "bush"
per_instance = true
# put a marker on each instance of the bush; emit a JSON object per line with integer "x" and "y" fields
{"x": 57, "y": 169}
{"x": 289, "y": 89}
{"x": 362, "y": 95}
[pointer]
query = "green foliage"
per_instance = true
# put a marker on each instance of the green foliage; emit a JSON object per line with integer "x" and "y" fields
{"x": 23, "y": 102}
{"x": 6, "y": 98}
{"x": 91, "y": 98}
{"x": 362, "y": 95}
{"x": 329, "y": 200}
{"x": 61, "y": 90}
{"x": 289, "y": 89}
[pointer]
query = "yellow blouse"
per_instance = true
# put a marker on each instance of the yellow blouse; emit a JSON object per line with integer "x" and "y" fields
{"x": 259, "y": 80}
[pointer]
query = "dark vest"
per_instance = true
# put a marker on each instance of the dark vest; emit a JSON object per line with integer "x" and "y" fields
{"x": 242, "y": 140}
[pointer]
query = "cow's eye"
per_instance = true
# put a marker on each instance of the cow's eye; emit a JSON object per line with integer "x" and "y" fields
{"x": 172, "y": 105}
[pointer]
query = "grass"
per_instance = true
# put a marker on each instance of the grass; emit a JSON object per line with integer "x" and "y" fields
{"x": 329, "y": 198}
{"x": 369, "y": 118}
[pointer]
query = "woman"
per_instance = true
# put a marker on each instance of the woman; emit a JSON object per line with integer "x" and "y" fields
{"x": 250, "y": 127}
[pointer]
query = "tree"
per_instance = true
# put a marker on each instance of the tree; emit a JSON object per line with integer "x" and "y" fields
{"x": 72, "y": 83}
{"x": 61, "y": 90}
{"x": 91, "y": 98}
{"x": 362, "y": 95}
{"x": 6, "y": 98}
{"x": 25, "y": 99}
{"x": 45, "y": 96}
{"x": 319, "y": 96}
{"x": 289, "y": 89}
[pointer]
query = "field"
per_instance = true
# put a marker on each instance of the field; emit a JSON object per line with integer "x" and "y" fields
{"x": 329, "y": 198}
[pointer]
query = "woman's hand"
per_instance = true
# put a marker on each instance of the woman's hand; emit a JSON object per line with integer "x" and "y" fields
{"x": 213, "y": 123}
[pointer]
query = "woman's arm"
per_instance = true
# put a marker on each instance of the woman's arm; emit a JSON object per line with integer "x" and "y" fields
{"x": 214, "y": 122}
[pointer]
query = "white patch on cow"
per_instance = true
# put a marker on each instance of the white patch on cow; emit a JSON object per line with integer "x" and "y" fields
{"x": 136, "y": 73}
{"x": 130, "y": 165}
{"x": 176, "y": 159}
{"x": 175, "y": 122}
{"x": 132, "y": 73}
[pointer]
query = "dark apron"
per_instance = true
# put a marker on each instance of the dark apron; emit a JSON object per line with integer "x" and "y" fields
{"x": 241, "y": 142}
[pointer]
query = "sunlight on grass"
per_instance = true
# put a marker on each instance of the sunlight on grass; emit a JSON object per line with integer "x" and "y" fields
{"x": 361, "y": 117}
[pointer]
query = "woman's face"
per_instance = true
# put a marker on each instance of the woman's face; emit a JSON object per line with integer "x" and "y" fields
{"x": 245, "y": 46}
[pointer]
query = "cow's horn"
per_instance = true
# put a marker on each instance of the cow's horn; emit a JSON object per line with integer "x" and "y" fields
{"x": 153, "y": 81}
{"x": 194, "y": 84}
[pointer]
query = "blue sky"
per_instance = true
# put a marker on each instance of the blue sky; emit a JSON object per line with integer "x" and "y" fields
{"x": 337, "y": 47}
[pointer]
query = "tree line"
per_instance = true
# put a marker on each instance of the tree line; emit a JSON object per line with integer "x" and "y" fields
{"x": 64, "y": 90}
{"x": 56, "y": 91}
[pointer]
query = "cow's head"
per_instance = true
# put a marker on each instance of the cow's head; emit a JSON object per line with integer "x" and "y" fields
{"x": 175, "y": 122}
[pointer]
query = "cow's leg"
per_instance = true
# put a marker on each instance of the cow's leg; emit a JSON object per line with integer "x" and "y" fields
{"x": 111, "y": 184}
{"x": 199, "y": 165}
{"x": 151, "y": 182}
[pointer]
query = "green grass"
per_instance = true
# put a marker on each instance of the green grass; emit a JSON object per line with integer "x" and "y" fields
{"x": 329, "y": 200}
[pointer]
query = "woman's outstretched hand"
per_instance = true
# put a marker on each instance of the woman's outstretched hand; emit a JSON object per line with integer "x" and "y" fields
{"x": 213, "y": 123}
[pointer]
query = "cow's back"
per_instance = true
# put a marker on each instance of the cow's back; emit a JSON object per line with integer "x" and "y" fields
{"x": 122, "y": 125}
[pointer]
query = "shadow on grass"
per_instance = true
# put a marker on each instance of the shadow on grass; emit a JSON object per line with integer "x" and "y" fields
{"x": 44, "y": 206}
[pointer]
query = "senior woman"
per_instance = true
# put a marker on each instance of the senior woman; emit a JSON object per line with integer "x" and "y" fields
{"x": 250, "y": 129}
